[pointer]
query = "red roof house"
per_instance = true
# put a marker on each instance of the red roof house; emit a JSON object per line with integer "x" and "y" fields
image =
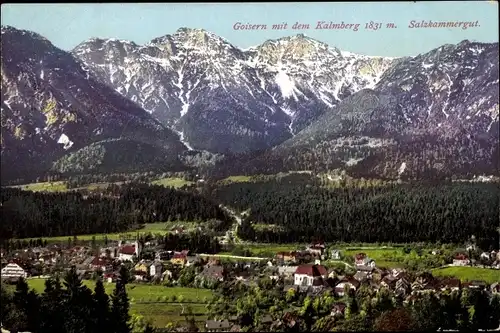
{"x": 312, "y": 270}
{"x": 461, "y": 259}
{"x": 128, "y": 249}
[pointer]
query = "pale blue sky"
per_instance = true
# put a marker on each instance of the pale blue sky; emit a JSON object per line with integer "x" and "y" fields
{"x": 66, "y": 25}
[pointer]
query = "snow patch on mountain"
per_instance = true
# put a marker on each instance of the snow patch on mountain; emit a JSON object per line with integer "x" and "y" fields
{"x": 286, "y": 85}
{"x": 64, "y": 139}
{"x": 402, "y": 168}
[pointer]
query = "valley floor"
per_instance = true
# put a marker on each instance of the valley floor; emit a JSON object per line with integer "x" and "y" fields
{"x": 154, "y": 302}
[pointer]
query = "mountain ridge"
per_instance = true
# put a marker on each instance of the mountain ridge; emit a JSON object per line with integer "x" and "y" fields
{"x": 264, "y": 88}
{"x": 51, "y": 104}
{"x": 303, "y": 103}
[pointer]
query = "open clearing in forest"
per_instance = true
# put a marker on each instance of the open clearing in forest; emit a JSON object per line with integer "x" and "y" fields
{"x": 174, "y": 182}
{"x": 469, "y": 273}
{"x": 155, "y": 228}
{"x": 236, "y": 179}
{"x": 59, "y": 186}
{"x": 154, "y": 301}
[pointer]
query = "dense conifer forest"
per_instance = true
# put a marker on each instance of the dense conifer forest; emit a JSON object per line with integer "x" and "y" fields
{"x": 32, "y": 214}
{"x": 296, "y": 211}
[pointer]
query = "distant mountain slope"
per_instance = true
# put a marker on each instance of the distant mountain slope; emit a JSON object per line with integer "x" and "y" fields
{"x": 222, "y": 99}
{"x": 115, "y": 156}
{"x": 51, "y": 104}
{"x": 431, "y": 115}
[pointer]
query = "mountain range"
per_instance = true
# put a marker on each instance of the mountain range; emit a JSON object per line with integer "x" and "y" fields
{"x": 292, "y": 103}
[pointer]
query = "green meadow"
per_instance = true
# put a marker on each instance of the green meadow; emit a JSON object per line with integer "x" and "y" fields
{"x": 154, "y": 302}
{"x": 155, "y": 228}
{"x": 469, "y": 273}
{"x": 174, "y": 182}
{"x": 59, "y": 186}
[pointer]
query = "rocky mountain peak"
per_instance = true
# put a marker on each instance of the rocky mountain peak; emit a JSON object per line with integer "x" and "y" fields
{"x": 268, "y": 92}
{"x": 203, "y": 42}
{"x": 28, "y": 45}
{"x": 297, "y": 47}
{"x": 52, "y": 103}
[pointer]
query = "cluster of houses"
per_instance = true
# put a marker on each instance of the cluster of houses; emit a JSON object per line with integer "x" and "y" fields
{"x": 301, "y": 271}
{"x": 486, "y": 259}
{"x": 316, "y": 279}
{"x": 87, "y": 260}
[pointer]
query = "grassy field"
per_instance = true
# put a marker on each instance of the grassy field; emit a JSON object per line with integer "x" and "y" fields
{"x": 380, "y": 255}
{"x": 161, "y": 314}
{"x": 44, "y": 186}
{"x": 267, "y": 250}
{"x": 384, "y": 256}
{"x": 60, "y": 186}
{"x": 236, "y": 179}
{"x": 263, "y": 249}
{"x": 154, "y": 228}
{"x": 469, "y": 273}
{"x": 174, "y": 182}
{"x": 149, "y": 301}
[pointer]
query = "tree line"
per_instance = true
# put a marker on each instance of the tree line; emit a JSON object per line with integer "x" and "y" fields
{"x": 397, "y": 213}
{"x": 69, "y": 306}
{"x": 33, "y": 214}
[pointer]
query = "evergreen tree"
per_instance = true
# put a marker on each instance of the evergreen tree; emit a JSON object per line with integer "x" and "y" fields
{"x": 120, "y": 305}
{"x": 494, "y": 312}
{"x": 101, "y": 307}
{"x": 78, "y": 304}
{"x": 5, "y": 301}
{"x": 26, "y": 304}
{"x": 52, "y": 313}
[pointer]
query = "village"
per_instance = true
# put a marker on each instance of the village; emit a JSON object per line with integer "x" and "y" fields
{"x": 306, "y": 271}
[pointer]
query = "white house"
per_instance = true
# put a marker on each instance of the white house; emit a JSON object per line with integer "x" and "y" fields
{"x": 485, "y": 255}
{"x": 361, "y": 259}
{"x": 155, "y": 268}
{"x": 470, "y": 247}
{"x": 461, "y": 260}
{"x": 127, "y": 252}
{"x": 305, "y": 275}
{"x": 13, "y": 271}
{"x": 286, "y": 270}
{"x": 351, "y": 283}
{"x": 335, "y": 254}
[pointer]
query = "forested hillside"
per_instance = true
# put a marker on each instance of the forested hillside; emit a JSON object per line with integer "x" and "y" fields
{"x": 117, "y": 155}
{"x": 295, "y": 211}
{"x": 31, "y": 214}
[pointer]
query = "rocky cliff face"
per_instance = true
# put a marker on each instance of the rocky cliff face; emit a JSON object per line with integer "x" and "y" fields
{"x": 223, "y": 99}
{"x": 51, "y": 104}
{"x": 436, "y": 113}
